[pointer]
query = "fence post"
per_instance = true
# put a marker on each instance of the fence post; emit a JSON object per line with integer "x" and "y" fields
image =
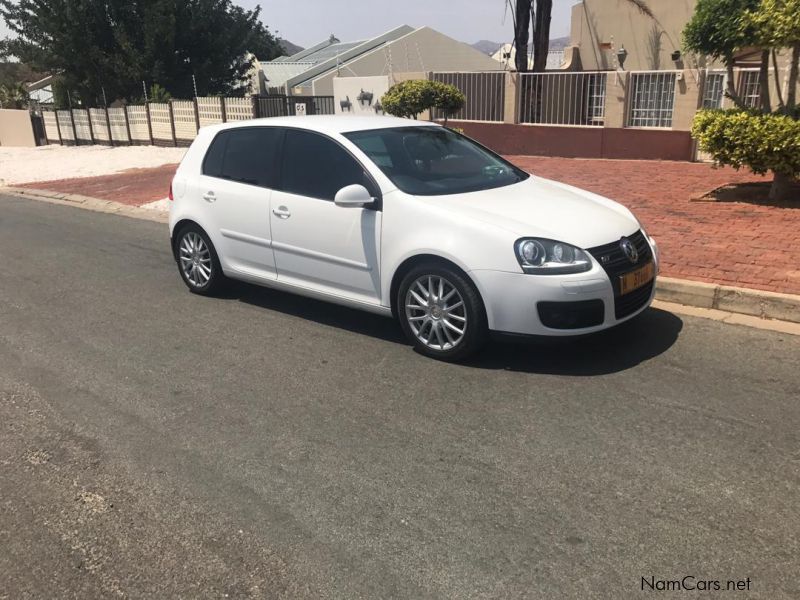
{"x": 510, "y": 97}
{"x": 89, "y": 121}
{"x": 74, "y": 131}
{"x": 172, "y": 124}
{"x": 127, "y": 125}
{"x": 58, "y": 128}
{"x": 255, "y": 102}
{"x": 108, "y": 128}
{"x": 224, "y": 109}
{"x": 196, "y": 114}
{"x": 149, "y": 124}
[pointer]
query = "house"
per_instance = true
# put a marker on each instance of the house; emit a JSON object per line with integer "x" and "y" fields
{"x": 600, "y": 28}
{"x": 403, "y": 49}
{"x": 507, "y": 56}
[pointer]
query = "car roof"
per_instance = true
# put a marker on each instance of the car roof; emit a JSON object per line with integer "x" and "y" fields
{"x": 330, "y": 124}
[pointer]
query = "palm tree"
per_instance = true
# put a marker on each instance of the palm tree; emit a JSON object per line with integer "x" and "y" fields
{"x": 523, "y": 12}
{"x": 14, "y": 95}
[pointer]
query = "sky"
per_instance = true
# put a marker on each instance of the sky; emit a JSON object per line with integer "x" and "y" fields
{"x": 465, "y": 20}
{"x": 307, "y": 22}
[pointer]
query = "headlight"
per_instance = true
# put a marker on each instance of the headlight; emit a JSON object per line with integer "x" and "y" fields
{"x": 548, "y": 257}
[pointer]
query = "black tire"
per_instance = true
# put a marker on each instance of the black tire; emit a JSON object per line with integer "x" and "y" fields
{"x": 216, "y": 279}
{"x": 475, "y": 332}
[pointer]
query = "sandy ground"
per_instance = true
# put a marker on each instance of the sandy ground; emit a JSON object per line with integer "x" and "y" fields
{"x": 46, "y": 163}
{"x": 159, "y": 205}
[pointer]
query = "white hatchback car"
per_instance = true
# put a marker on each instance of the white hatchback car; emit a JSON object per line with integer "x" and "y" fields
{"x": 406, "y": 219}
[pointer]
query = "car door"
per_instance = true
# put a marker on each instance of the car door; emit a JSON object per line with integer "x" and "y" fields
{"x": 317, "y": 244}
{"x": 238, "y": 173}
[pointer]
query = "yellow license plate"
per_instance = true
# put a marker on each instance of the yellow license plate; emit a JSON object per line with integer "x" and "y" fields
{"x": 636, "y": 279}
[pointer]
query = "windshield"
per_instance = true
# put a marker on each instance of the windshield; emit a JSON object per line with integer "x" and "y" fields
{"x": 434, "y": 161}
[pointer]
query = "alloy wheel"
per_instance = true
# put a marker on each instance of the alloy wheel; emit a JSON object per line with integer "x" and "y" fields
{"x": 195, "y": 259}
{"x": 436, "y": 313}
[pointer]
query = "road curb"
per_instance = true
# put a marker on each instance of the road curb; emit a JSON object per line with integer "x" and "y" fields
{"x": 744, "y": 301}
{"x": 88, "y": 203}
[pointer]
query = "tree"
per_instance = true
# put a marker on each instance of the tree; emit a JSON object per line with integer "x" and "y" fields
{"x": 113, "y": 46}
{"x": 717, "y": 30}
{"x": 759, "y": 139}
{"x": 13, "y": 95}
{"x": 776, "y": 25}
{"x": 524, "y": 13}
{"x": 408, "y": 99}
{"x": 762, "y": 142}
{"x": 448, "y": 99}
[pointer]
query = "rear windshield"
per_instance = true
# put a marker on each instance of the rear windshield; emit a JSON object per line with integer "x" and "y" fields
{"x": 434, "y": 161}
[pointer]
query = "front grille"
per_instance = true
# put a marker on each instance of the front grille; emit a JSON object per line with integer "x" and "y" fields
{"x": 616, "y": 263}
{"x": 632, "y": 301}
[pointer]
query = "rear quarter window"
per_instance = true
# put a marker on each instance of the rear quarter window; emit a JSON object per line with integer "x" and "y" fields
{"x": 212, "y": 163}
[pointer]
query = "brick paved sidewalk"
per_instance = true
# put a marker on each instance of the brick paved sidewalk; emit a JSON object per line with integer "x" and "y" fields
{"x": 133, "y": 187}
{"x": 729, "y": 243}
{"x": 719, "y": 242}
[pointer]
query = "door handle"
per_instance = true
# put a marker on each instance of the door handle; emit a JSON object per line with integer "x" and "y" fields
{"x": 281, "y": 212}
{"x": 210, "y": 197}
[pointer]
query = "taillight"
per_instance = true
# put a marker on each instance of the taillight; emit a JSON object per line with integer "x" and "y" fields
{"x": 171, "y": 196}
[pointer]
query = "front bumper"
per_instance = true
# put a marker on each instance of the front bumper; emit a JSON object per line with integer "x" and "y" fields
{"x": 515, "y": 301}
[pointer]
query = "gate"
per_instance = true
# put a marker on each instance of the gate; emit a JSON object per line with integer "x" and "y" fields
{"x": 280, "y": 105}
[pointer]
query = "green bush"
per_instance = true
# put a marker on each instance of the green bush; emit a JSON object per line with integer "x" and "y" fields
{"x": 410, "y": 98}
{"x": 447, "y": 98}
{"x": 762, "y": 142}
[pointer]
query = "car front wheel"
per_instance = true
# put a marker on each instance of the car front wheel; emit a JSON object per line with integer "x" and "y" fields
{"x": 441, "y": 312}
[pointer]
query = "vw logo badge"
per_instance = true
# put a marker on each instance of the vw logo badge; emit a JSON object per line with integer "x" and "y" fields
{"x": 629, "y": 249}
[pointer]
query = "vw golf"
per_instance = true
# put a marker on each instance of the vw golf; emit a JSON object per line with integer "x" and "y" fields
{"x": 406, "y": 219}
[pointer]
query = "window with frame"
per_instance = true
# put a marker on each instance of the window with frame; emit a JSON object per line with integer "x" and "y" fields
{"x": 750, "y": 88}
{"x": 245, "y": 155}
{"x": 317, "y": 167}
{"x": 713, "y": 90}
{"x": 652, "y": 99}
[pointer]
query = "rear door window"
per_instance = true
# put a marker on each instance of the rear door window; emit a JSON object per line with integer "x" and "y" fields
{"x": 247, "y": 155}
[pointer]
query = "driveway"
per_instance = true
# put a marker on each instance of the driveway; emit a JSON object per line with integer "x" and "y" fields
{"x": 159, "y": 444}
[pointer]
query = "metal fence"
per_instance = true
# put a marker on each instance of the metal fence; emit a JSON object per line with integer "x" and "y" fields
{"x": 173, "y": 123}
{"x": 651, "y": 99}
{"x": 562, "y": 98}
{"x": 485, "y": 95}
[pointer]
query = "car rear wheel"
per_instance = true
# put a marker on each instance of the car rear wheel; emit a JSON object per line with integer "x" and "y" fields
{"x": 198, "y": 262}
{"x": 441, "y": 312}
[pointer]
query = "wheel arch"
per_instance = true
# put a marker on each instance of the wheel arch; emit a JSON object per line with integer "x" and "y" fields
{"x": 177, "y": 229}
{"x": 419, "y": 259}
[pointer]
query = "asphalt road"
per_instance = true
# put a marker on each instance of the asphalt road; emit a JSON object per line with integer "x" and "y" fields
{"x": 158, "y": 444}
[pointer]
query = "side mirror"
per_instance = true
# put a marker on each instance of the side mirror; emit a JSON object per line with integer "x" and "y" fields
{"x": 353, "y": 196}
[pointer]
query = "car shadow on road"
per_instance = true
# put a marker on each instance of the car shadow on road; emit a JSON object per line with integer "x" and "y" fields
{"x": 645, "y": 337}
{"x": 318, "y": 311}
{"x": 623, "y": 347}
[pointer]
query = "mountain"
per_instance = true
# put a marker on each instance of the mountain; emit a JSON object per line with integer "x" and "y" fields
{"x": 488, "y": 47}
{"x": 289, "y": 48}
